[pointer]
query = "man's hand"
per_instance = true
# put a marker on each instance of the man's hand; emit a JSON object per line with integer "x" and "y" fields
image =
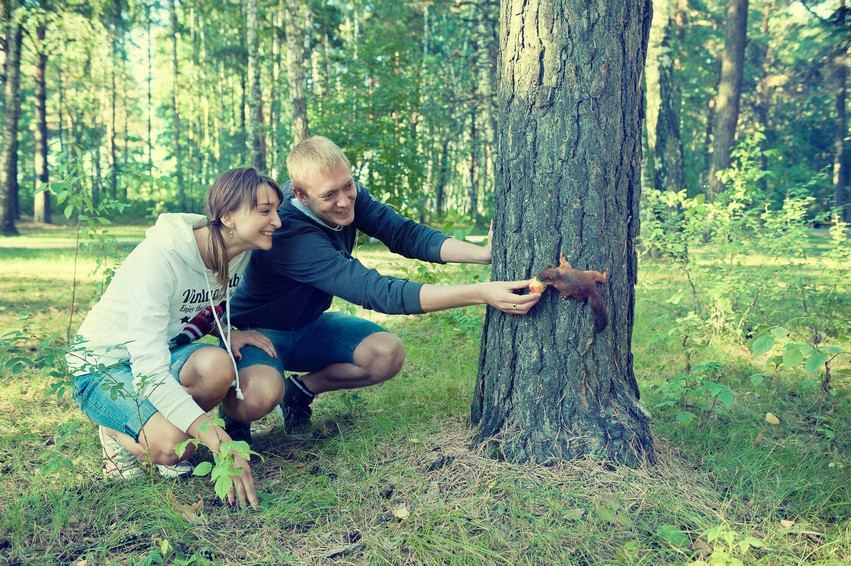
{"x": 240, "y": 338}
{"x": 500, "y": 295}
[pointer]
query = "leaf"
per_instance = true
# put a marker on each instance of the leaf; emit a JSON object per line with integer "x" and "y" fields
{"x": 792, "y": 357}
{"x": 202, "y": 469}
{"x": 780, "y": 332}
{"x": 606, "y": 514}
{"x": 758, "y": 378}
{"x": 684, "y": 417}
{"x": 771, "y": 419}
{"x": 786, "y": 524}
{"x": 815, "y": 362}
{"x": 762, "y": 344}
{"x": 223, "y": 486}
{"x": 726, "y": 397}
{"x": 401, "y": 512}
{"x": 673, "y": 535}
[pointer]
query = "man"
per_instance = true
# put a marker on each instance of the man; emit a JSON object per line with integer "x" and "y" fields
{"x": 288, "y": 289}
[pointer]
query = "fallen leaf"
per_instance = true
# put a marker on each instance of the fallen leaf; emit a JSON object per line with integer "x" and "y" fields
{"x": 401, "y": 512}
{"x": 771, "y": 419}
{"x": 758, "y": 438}
{"x": 786, "y": 524}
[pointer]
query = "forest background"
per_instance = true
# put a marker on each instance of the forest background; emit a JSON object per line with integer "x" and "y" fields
{"x": 116, "y": 111}
{"x": 146, "y": 102}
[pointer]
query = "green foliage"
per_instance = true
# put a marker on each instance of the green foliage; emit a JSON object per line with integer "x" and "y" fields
{"x": 808, "y": 360}
{"x": 713, "y": 245}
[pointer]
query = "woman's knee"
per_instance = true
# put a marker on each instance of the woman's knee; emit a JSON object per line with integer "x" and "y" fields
{"x": 383, "y": 355}
{"x": 208, "y": 374}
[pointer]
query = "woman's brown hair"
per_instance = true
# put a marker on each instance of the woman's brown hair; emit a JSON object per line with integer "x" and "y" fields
{"x": 234, "y": 189}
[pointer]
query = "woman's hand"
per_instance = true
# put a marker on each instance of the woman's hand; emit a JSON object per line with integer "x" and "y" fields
{"x": 213, "y": 436}
{"x": 240, "y": 338}
{"x": 243, "y": 485}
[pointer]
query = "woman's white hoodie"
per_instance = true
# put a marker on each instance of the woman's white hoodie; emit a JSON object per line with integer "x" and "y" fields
{"x": 159, "y": 287}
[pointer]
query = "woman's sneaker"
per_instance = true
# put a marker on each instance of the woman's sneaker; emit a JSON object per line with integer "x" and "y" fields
{"x": 179, "y": 470}
{"x": 118, "y": 463}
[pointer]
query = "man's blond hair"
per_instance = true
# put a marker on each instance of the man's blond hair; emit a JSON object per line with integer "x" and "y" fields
{"x": 313, "y": 154}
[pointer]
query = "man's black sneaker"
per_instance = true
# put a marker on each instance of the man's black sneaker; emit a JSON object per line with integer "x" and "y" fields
{"x": 296, "y": 405}
{"x": 237, "y": 430}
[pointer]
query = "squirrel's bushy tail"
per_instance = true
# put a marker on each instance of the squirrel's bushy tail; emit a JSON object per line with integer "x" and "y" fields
{"x": 595, "y": 301}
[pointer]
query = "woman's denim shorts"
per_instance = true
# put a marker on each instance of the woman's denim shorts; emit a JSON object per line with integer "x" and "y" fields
{"x": 126, "y": 412}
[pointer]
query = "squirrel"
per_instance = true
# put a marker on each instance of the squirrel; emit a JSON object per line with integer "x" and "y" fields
{"x": 581, "y": 285}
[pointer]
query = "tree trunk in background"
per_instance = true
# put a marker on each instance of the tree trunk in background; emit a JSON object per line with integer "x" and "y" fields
{"x": 762, "y": 105}
{"x": 11, "y": 113}
{"x": 41, "y": 201}
{"x": 568, "y": 168}
{"x": 274, "y": 86}
{"x": 148, "y": 81}
{"x": 255, "y": 119}
{"x": 175, "y": 112}
{"x": 113, "y": 145}
{"x": 295, "y": 72}
{"x": 663, "y": 120}
{"x": 485, "y": 88}
{"x": 840, "y": 157}
{"x": 729, "y": 91}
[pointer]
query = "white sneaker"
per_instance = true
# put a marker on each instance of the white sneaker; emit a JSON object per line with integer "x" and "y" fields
{"x": 118, "y": 463}
{"x": 179, "y": 470}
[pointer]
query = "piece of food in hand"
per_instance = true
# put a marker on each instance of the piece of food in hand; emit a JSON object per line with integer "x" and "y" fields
{"x": 536, "y": 285}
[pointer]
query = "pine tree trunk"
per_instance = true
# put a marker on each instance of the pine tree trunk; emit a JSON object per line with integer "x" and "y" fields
{"x": 11, "y": 113}
{"x": 149, "y": 79}
{"x": 729, "y": 91}
{"x": 255, "y": 126}
{"x": 41, "y": 201}
{"x": 840, "y": 157}
{"x": 175, "y": 112}
{"x": 663, "y": 120}
{"x": 295, "y": 73}
{"x": 568, "y": 181}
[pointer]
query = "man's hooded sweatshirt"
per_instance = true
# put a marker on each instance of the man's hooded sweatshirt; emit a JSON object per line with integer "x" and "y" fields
{"x": 148, "y": 309}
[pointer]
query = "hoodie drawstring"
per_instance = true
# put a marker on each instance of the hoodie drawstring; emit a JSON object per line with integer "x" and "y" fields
{"x": 225, "y": 339}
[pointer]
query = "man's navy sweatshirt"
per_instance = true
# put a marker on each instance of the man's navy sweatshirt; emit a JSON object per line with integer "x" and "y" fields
{"x": 309, "y": 264}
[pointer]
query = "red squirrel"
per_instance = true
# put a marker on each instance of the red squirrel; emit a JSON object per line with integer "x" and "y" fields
{"x": 581, "y": 285}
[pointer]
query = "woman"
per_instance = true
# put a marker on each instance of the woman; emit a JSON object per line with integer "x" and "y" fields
{"x": 138, "y": 372}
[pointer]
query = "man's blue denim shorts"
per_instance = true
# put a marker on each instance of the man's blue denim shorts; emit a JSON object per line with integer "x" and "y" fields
{"x": 330, "y": 339}
{"x": 126, "y": 413}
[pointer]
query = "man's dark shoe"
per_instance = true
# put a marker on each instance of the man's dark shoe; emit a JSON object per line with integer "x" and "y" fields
{"x": 296, "y": 405}
{"x": 237, "y": 430}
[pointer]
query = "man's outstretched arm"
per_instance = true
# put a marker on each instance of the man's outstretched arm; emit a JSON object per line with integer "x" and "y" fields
{"x": 498, "y": 294}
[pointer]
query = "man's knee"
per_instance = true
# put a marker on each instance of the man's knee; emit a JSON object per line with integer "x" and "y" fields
{"x": 382, "y": 354}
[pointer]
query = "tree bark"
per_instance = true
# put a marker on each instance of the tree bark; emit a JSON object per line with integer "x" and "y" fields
{"x": 840, "y": 132}
{"x": 255, "y": 126}
{"x": 11, "y": 113}
{"x": 175, "y": 111}
{"x": 729, "y": 91}
{"x": 568, "y": 181}
{"x": 41, "y": 201}
{"x": 295, "y": 72}
{"x": 663, "y": 120}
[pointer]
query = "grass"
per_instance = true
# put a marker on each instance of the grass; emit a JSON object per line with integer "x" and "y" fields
{"x": 388, "y": 476}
